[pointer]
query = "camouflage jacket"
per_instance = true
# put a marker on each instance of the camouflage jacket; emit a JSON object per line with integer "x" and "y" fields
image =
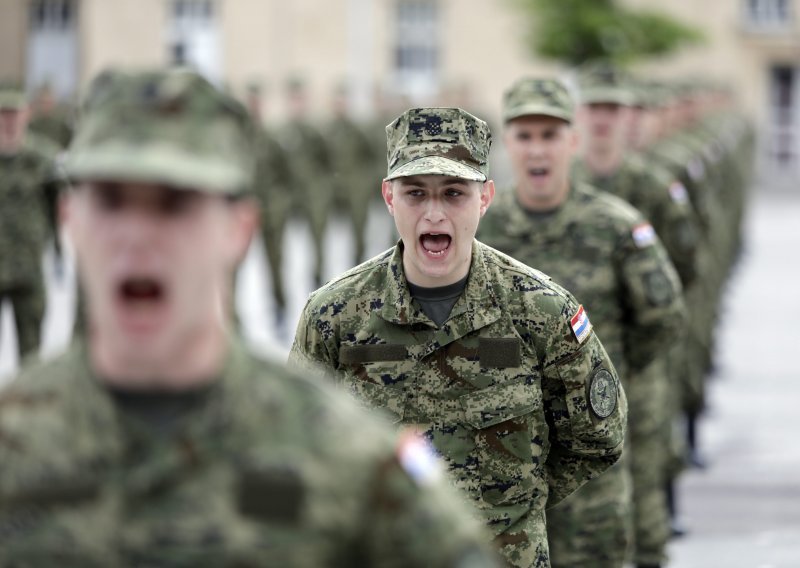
{"x": 521, "y": 410}
{"x": 263, "y": 473}
{"x": 662, "y": 200}
{"x": 273, "y": 178}
{"x": 27, "y": 213}
{"x": 599, "y": 248}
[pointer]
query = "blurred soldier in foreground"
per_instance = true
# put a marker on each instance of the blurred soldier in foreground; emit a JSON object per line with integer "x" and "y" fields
{"x": 27, "y": 216}
{"x": 272, "y": 188}
{"x": 602, "y": 250}
{"x": 161, "y": 441}
{"x": 497, "y": 365}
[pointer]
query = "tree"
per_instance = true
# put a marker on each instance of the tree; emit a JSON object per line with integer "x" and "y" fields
{"x": 580, "y": 31}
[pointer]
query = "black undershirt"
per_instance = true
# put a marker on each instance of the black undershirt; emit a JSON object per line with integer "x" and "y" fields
{"x": 437, "y": 303}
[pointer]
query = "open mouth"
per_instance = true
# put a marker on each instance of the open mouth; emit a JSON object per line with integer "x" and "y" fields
{"x": 138, "y": 291}
{"x": 435, "y": 244}
{"x": 538, "y": 173}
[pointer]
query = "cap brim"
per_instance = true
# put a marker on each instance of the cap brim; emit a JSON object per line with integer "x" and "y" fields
{"x": 537, "y": 110}
{"x": 609, "y": 96}
{"x": 159, "y": 164}
{"x": 437, "y": 165}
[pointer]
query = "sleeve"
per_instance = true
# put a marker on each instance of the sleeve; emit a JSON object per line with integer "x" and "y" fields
{"x": 414, "y": 518}
{"x": 655, "y": 312}
{"x": 309, "y": 350}
{"x": 584, "y": 404}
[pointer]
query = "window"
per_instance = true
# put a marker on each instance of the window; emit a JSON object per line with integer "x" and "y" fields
{"x": 416, "y": 49}
{"x": 767, "y": 13}
{"x": 193, "y": 37}
{"x": 53, "y": 46}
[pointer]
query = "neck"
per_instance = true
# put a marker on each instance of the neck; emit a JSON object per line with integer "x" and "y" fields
{"x": 199, "y": 359}
{"x": 603, "y": 161}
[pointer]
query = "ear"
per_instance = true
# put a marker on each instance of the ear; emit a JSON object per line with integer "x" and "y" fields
{"x": 487, "y": 195}
{"x": 387, "y": 190}
{"x": 244, "y": 222}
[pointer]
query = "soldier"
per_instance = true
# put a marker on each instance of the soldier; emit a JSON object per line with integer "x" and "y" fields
{"x": 160, "y": 440}
{"x": 27, "y": 216}
{"x": 351, "y": 154}
{"x": 493, "y": 362}
{"x": 604, "y": 251}
{"x": 310, "y": 164}
{"x": 606, "y": 103}
{"x": 272, "y": 188}
{"x": 49, "y": 119}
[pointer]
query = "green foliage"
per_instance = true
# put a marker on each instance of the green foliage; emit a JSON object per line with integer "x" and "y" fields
{"x": 578, "y": 31}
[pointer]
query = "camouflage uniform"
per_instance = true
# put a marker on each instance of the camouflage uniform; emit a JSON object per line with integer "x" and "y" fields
{"x": 272, "y": 187}
{"x": 632, "y": 294}
{"x": 27, "y": 220}
{"x": 603, "y": 251}
{"x": 260, "y": 468}
{"x": 521, "y": 401}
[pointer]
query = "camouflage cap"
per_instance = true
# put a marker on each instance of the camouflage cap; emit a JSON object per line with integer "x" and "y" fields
{"x": 605, "y": 83}
{"x": 12, "y": 96}
{"x": 439, "y": 141}
{"x": 167, "y": 126}
{"x": 531, "y": 97}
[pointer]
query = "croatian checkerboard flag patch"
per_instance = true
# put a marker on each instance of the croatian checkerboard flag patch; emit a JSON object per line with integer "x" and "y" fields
{"x": 581, "y": 326}
{"x": 644, "y": 235}
{"x": 678, "y": 193}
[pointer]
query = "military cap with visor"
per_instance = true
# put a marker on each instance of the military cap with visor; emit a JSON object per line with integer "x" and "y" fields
{"x": 12, "y": 96}
{"x": 169, "y": 127}
{"x": 438, "y": 141}
{"x": 604, "y": 82}
{"x": 538, "y": 97}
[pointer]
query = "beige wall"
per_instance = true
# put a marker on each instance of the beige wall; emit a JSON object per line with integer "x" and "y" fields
{"x": 13, "y": 39}
{"x": 122, "y": 32}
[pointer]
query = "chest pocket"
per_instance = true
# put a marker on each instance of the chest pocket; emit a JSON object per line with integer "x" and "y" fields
{"x": 376, "y": 376}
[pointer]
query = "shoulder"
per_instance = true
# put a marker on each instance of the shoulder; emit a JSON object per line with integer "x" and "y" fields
{"x": 609, "y": 209}
{"x": 366, "y": 278}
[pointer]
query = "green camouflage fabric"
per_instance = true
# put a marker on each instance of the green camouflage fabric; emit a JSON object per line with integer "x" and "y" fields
{"x": 166, "y": 126}
{"x": 441, "y": 141}
{"x": 272, "y": 187}
{"x": 506, "y": 393}
{"x": 310, "y": 166}
{"x": 530, "y": 97}
{"x": 603, "y": 82}
{"x": 56, "y": 126}
{"x": 265, "y": 472}
{"x": 352, "y": 157}
{"x": 603, "y": 251}
{"x": 662, "y": 200}
{"x": 28, "y": 193}
{"x": 12, "y": 96}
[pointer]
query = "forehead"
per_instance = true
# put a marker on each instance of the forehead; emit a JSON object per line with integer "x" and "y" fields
{"x": 142, "y": 190}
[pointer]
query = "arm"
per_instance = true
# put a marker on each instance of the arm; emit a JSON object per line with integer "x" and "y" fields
{"x": 585, "y": 407}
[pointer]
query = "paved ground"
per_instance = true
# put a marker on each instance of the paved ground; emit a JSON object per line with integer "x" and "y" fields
{"x": 744, "y": 511}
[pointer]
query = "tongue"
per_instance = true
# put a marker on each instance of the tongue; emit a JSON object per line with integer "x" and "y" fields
{"x": 435, "y": 243}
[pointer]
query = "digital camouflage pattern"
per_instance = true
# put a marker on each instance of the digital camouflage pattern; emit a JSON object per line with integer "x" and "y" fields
{"x": 265, "y": 472}
{"x": 441, "y": 141}
{"x": 599, "y": 248}
{"x": 163, "y": 127}
{"x": 501, "y": 389}
{"x": 530, "y": 97}
{"x": 28, "y": 193}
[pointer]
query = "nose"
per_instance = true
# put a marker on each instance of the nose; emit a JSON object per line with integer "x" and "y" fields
{"x": 434, "y": 210}
{"x": 136, "y": 227}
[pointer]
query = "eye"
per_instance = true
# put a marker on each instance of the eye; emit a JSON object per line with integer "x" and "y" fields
{"x": 415, "y": 192}
{"x": 523, "y": 136}
{"x": 108, "y": 197}
{"x": 176, "y": 202}
{"x": 453, "y": 192}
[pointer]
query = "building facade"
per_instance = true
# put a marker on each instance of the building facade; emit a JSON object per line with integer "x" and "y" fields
{"x": 420, "y": 51}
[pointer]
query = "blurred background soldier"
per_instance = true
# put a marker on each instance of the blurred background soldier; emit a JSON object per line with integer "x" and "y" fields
{"x": 311, "y": 167}
{"x": 604, "y": 252}
{"x": 28, "y": 189}
{"x": 273, "y": 189}
{"x": 160, "y": 440}
{"x": 607, "y": 99}
{"x": 49, "y": 119}
{"x": 352, "y": 156}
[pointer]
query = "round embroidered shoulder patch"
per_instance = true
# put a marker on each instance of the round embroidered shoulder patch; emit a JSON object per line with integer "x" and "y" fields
{"x": 603, "y": 393}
